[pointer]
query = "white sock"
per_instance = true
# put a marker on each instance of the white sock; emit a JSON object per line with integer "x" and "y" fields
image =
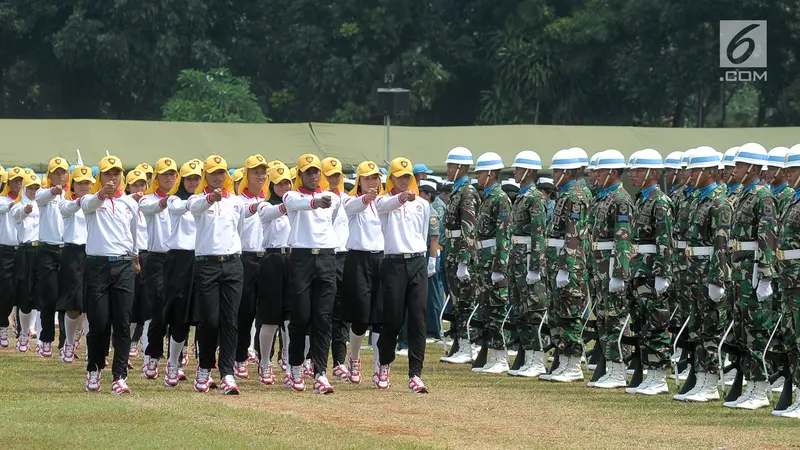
{"x": 175, "y": 349}
{"x": 38, "y": 321}
{"x": 133, "y": 329}
{"x": 285, "y": 334}
{"x": 253, "y": 336}
{"x": 377, "y": 363}
{"x": 85, "y": 323}
{"x": 144, "y": 339}
{"x": 56, "y": 320}
{"x": 355, "y": 345}
{"x": 71, "y": 328}
{"x": 25, "y": 322}
{"x": 266, "y": 340}
{"x": 308, "y": 346}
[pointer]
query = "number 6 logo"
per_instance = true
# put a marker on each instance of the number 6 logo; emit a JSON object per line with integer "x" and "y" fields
{"x": 742, "y": 43}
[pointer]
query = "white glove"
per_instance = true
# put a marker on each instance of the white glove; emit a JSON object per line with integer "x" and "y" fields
{"x": 431, "y": 266}
{"x": 616, "y": 285}
{"x": 562, "y": 278}
{"x": 661, "y": 285}
{"x": 715, "y": 292}
{"x": 764, "y": 290}
{"x": 532, "y": 277}
{"x": 462, "y": 273}
{"x": 497, "y": 277}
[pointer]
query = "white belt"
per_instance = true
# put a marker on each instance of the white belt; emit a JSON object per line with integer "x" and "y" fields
{"x": 605, "y": 245}
{"x": 787, "y": 255}
{"x": 730, "y": 243}
{"x": 522, "y": 240}
{"x": 452, "y": 233}
{"x": 488, "y": 243}
{"x": 645, "y": 248}
{"x": 699, "y": 251}
{"x": 744, "y": 246}
{"x": 681, "y": 244}
{"x": 557, "y": 243}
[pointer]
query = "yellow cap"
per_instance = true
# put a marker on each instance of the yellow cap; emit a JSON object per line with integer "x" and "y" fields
{"x": 55, "y": 163}
{"x": 28, "y": 181}
{"x": 293, "y": 172}
{"x": 79, "y": 173}
{"x": 106, "y": 164}
{"x": 212, "y": 164}
{"x": 163, "y": 166}
{"x": 11, "y": 174}
{"x": 277, "y": 173}
{"x": 305, "y": 162}
{"x": 238, "y": 174}
{"x": 331, "y": 166}
{"x": 251, "y": 163}
{"x": 365, "y": 169}
{"x": 191, "y": 167}
{"x": 136, "y": 175}
{"x": 3, "y": 175}
{"x": 399, "y": 167}
{"x": 275, "y": 162}
{"x": 147, "y": 168}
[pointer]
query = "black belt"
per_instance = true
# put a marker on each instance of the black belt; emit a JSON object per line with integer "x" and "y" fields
{"x": 370, "y": 252}
{"x": 314, "y": 251}
{"x": 67, "y": 244}
{"x": 29, "y": 244}
{"x": 45, "y": 244}
{"x": 10, "y": 247}
{"x": 111, "y": 258}
{"x": 217, "y": 258}
{"x": 404, "y": 255}
{"x": 278, "y": 251}
{"x": 253, "y": 254}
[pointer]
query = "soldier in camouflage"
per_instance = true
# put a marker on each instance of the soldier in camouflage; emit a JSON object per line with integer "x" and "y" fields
{"x": 494, "y": 242}
{"x": 708, "y": 271}
{"x": 527, "y": 291}
{"x": 460, "y": 253}
{"x": 651, "y": 270}
{"x": 611, "y": 253}
{"x": 753, "y": 237}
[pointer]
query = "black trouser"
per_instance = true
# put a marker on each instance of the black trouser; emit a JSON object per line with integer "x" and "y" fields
{"x": 362, "y": 299}
{"x": 154, "y": 280}
{"x": 7, "y": 256}
{"x": 405, "y": 291}
{"x": 313, "y": 288}
{"x": 26, "y": 274}
{"x": 340, "y": 332}
{"x": 219, "y": 291}
{"x": 251, "y": 266}
{"x": 48, "y": 258}
{"x": 70, "y": 286}
{"x": 108, "y": 301}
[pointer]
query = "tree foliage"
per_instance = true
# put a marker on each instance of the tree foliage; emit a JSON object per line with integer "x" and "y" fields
{"x": 213, "y": 96}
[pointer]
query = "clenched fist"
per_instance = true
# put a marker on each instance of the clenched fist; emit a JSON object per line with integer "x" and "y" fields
{"x": 322, "y": 202}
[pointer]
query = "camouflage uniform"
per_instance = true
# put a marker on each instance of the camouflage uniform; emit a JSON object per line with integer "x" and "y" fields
{"x": 789, "y": 271}
{"x": 529, "y": 301}
{"x": 611, "y": 225}
{"x": 652, "y": 226}
{"x": 460, "y": 218}
{"x": 783, "y": 341}
{"x": 754, "y": 222}
{"x": 494, "y": 220}
{"x": 680, "y": 300}
{"x": 568, "y": 224}
{"x": 709, "y": 226}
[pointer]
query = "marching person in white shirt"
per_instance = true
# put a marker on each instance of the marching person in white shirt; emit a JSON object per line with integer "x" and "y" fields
{"x": 48, "y": 255}
{"x": 135, "y": 185}
{"x": 362, "y": 298}
{"x": 26, "y": 216}
{"x": 111, "y": 266}
{"x": 252, "y": 190}
{"x": 8, "y": 247}
{"x": 333, "y": 181}
{"x": 311, "y": 213}
{"x": 218, "y": 273}
{"x": 404, "y": 276}
{"x": 153, "y": 207}
{"x": 73, "y": 256}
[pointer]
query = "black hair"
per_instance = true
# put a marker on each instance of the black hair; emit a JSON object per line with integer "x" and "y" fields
{"x": 274, "y": 199}
{"x": 182, "y": 193}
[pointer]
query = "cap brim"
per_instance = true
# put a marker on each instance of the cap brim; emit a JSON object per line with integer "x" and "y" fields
{"x": 402, "y": 173}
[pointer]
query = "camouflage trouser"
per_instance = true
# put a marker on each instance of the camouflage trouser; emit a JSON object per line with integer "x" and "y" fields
{"x": 529, "y": 301}
{"x": 679, "y": 298}
{"x": 784, "y": 337}
{"x": 792, "y": 300}
{"x": 611, "y": 311}
{"x": 708, "y": 319}
{"x": 756, "y": 324}
{"x": 650, "y": 317}
{"x": 565, "y": 313}
{"x": 461, "y": 293}
{"x": 493, "y": 299}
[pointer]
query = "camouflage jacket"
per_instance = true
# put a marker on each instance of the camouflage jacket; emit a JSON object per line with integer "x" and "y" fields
{"x": 710, "y": 226}
{"x": 753, "y": 221}
{"x": 789, "y": 239}
{"x": 783, "y": 197}
{"x": 680, "y": 229}
{"x": 569, "y": 224}
{"x": 612, "y": 224}
{"x": 652, "y": 225}
{"x": 461, "y": 216}
{"x": 733, "y": 194}
{"x": 494, "y": 220}
{"x": 529, "y": 213}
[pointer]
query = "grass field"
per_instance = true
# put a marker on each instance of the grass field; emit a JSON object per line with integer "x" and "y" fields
{"x": 44, "y": 405}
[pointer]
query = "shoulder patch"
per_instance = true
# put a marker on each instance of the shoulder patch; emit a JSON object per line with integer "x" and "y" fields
{"x": 576, "y": 207}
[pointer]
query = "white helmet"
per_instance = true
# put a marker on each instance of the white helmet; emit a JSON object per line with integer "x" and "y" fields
{"x": 489, "y": 161}
{"x": 527, "y": 159}
{"x": 593, "y": 161}
{"x": 792, "y": 158}
{"x": 702, "y": 157}
{"x": 776, "y": 156}
{"x": 611, "y": 159}
{"x": 584, "y": 157}
{"x": 566, "y": 159}
{"x": 721, "y": 157}
{"x": 646, "y": 159}
{"x": 727, "y": 159}
{"x": 459, "y": 155}
{"x": 674, "y": 160}
{"x": 751, "y": 153}
{"x": 685, "y": 158}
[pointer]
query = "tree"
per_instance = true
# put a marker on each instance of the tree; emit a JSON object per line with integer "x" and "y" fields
{"x": 213, "y": 96}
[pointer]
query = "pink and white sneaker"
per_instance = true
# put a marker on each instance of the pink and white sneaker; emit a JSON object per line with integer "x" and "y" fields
{"x": 93, "y": 381}
{"x": 34, "y": 334}
{"x": 201, "y": 381}
{"x": 134, "y": 351}
{"x": 341, "y": 373}
{"x": 14, "y": 326}
{"x": 47, "y": 350}
{"x": 120, "y": 387}
{"x": 355, "y": 370}
{"x": 228, "y": 385}
{"x": 381, "y": 378}
{"x": 150, "y": 368}
{"x": 67, "y": 354}
{"x": 240, "y": 370}
{"x": 171, "y": 376}
{"x": 4, "y": 337}
{"x": 181, "y": 374}
{"x": 416, "y": 386}
{"x": 322, "y": 385}
{"x": 265, "y": 375}
{"x": 22, "y": 343}
{"x": 294, "y": 379}
{"x": 185, "y": 359}
{"x": 252, "y": 356}
{"x": 308, "y": 368}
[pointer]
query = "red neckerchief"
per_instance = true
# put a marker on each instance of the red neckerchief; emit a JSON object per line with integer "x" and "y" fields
{"x": 247, "y": 194}
{"x": 303, "y": 190}
{"x": 159, "y": 194}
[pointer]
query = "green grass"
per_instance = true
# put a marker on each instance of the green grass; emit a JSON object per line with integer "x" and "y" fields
{"x": 44, "y": 405}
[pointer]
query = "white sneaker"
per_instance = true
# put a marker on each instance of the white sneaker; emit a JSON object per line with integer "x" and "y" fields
{"x": 536, "y": 367}
{"x": 616, "y": 377}
{"x": 558, "y": 370}
{"x": 489, "y": 361}
{"x": 708, "y": 390}
{"x": 643, "y": 385}
{"x": 793, "y": 411}
{"x": 524, "y": 366}
{"x": 683, "y": 376}
{"x": 401, "y": 352}
{"x": 572, "y": 371}
{"x": 656, "y": 383}
{"x": 464, "y": 355}
{"x": 730, "y": 377}
{"x": 745, "y": 395}
{"x": 499, "y": 363}
{"x": 699, "y": 376}
{"x": 777, "y": 386}
{"x": 758, "y": 397}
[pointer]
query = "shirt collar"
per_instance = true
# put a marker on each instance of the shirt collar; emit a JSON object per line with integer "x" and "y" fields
{"x": 525, "y": 189}
{"x": 775, "y": 190}
{"x": 706, "y": 190}
{"x": 460, "y": 182}
{"x": 674, "y": 189}
{"x": 303, "y": 190}
{"x": 159, "y": 194}
{"x": 688, "y": 190}
{"x": 733, "y": 187}
{"x": 646, "y": 192}
{"x": 751, "y": 186}
{"x": 489, "y": 189}
{"x": 247, "y": 194}
{"x": 567, "y": 186}
{"x": 605, "y": 191}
